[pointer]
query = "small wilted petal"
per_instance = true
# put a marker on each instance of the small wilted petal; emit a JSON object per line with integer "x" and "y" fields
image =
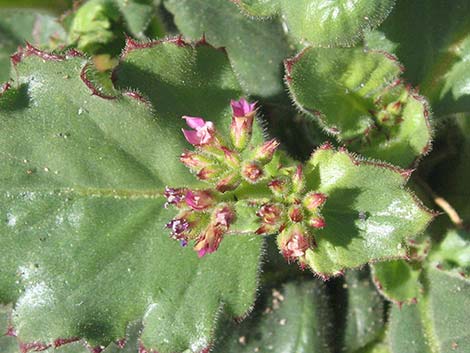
{"x": 178, "y": 226}
{"x": 208, "y": 242}
{"x": 199, "y": 199}
{"x": 174, "y": 196}
{"x": 314, "y": 200}
{"x": 265, "y": 153}
{"x": 294, "y": 243}
{"x": 252, "y": 172}
{"x": 223, "y": 217}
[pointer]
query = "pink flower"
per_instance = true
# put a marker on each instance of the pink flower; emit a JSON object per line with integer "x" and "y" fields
{"x": 314, "y": 200}
{"x": 203, "y": 132}
{"x": 242, "y": 122}
{"x": 242, "y": 108}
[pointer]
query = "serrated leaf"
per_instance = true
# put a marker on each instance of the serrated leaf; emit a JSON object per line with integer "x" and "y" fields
{"x": 256, "y": 49}
{"x": 322, "y": 22}
{"x": 18, "y": 26}
{"x": 358, "y": 97}
{"x": 438, "y": 323}
{"x": 82, "y": 173}
{"x": 434, "y": 47}
{"x": 363, "y": 223}
{"x": 295, "y": 319}
{"x": 364, "y": 312}
{"x": 397, "y": 280}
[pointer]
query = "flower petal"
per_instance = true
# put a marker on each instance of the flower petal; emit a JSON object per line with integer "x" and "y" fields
{"x": 194, "y": 122}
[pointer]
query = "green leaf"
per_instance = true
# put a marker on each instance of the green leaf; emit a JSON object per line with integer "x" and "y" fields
{"x": 137, "y": 14}
{"x": 434, "y": 47}
{"x": 322, "y": 22}
{"x": 438, "y": 323}
{"x": 18, "y": 26}
{"x": 256, "y": 49}
{"x": 369, "y": 214}
{"x": 453, "y": 253}
{"x": 358, "y": 97}
{"x": 364, "y": 313}
{"x": 82, "y": 173}
{"x": 295, "y": 319}
{"x": 397, "y": 280}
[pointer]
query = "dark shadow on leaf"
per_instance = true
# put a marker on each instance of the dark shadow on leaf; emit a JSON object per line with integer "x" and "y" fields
{"x": 341, "y": 218}
{"x": 15, "y": 99}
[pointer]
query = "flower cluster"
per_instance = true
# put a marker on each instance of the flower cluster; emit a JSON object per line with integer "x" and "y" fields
{"x": 230, "y": 166}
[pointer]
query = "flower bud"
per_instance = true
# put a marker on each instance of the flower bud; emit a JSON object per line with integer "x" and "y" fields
{"x": 203, "y": 132}
{"x": 298, "y": 181}
{"x": 295, "y": 214}
{"x": 264, "y": 153}
{"x": 243, "y": 114}
{"x": 314, "y": 200}
{"x": 209, "y": 173}
{"x": 195, "y": 161}
{"x": 199, "y": 199}
{"x": 317, "y": 222}
{"x": 228, "y": 182}
{"x": 279, "y": 187}
{"x": 252, "y": 172}
{"x": 270, "y": 213}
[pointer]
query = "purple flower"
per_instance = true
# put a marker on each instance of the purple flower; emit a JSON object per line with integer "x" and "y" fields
{"x": 174, "y": 196}
{"x": 178, "y": 226}
{"x": 203, "y": 132}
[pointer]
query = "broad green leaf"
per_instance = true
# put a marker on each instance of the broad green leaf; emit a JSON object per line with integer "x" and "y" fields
{"x": 292, "y": 320}
{"x": 137, "y": 14}
{"x": 439, "y": 322}
{"x": 81, "y": 180}
{"x": 453, "y": 253}
{"x": 397, "y": 280}
{"x": 434, "y": 47}
{"x": 369, "y": 214}
{"x": 322, "y": 22}
{"x": 256, "y": 49}
{"x": 18, "y": 26}
{"x": 364, "y": 312}
{"x": 356, "y": 96}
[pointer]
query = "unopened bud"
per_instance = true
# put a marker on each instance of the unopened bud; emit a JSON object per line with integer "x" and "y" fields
{"x": 228, "y": 182}
{"x": 270, "y": 213}
{"x": 298, "y": 181}
{"x": 314, "y": 200}
{"x": 295, "y": 214}
{"x": 252, "y": 172}
{"x": 195, "y": 161}
{"x": 265, "y": 153}
{"x": 209, "y": 173}
{"x": 279, "y": 187}
{"x": 243, "y": 114}
{"x": 317, "y": 222}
